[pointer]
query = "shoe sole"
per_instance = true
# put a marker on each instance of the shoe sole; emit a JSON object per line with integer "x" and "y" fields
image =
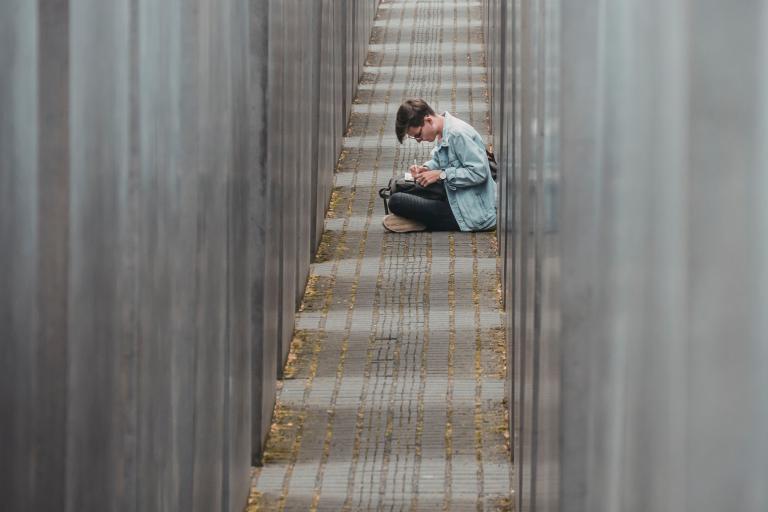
{"x": 402, "y": 226}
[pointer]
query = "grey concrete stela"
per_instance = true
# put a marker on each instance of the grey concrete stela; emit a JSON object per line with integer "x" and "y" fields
{"x": 165, "y": 168}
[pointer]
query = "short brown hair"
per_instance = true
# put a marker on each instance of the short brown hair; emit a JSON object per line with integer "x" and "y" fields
{"x": 411, "y": 113}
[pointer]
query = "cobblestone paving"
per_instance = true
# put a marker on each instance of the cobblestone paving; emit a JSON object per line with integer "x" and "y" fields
{"x": 393, "y": 396}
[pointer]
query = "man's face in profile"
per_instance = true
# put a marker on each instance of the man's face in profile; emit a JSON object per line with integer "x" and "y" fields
{"x": 424, "y": 133}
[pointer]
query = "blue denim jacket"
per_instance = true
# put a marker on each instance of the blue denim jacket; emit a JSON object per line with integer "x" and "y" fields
{"x": 471, "y": 190}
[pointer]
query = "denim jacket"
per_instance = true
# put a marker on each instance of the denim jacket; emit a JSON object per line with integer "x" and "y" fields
{"x": 471, "y": 190}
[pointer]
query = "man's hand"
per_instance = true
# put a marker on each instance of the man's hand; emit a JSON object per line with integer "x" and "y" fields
{"x": 415, "y": 170}
{"x": 427, "y": 177}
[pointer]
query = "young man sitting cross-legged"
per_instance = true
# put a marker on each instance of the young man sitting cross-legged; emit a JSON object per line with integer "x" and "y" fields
{"x": 458, "y": 162}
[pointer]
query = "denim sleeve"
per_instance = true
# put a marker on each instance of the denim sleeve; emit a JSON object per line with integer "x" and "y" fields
{"x": 473, "y": 167}
{"x": 432, "y": 162}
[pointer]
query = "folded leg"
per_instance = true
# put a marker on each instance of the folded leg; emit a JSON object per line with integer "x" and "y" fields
{"x": 434, "y": 214}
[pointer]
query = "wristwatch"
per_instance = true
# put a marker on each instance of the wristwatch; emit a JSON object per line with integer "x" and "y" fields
{"x": 442, "y": 175}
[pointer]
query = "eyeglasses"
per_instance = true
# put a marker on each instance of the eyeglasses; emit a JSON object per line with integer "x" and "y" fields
{"x": 418, "y": 135}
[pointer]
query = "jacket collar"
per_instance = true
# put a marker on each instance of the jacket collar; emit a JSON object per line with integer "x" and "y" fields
{"x": 446, "y": 128}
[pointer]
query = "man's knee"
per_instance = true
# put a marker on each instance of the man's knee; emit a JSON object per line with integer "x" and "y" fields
{"x": 396, "y": 202}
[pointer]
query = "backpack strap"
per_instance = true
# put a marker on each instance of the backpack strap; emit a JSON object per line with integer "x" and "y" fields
{"x": 384, "y": 194}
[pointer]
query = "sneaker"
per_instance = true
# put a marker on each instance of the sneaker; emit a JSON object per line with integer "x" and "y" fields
{"x": 397, "y": 224}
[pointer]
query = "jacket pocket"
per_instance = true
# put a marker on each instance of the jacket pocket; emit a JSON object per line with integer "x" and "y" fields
{"x": 482, "y": 199}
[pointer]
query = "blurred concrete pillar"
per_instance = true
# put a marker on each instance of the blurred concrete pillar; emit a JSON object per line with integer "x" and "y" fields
{"x": 147, "y": 159}
{"x": 653, "y": 274}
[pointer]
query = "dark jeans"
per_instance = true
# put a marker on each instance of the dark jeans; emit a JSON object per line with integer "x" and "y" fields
{"x": 434, "y": 214}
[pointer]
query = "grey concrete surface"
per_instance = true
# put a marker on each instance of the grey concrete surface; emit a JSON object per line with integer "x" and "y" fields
{"x": 524, "y": 58}
{"x": 393, "y": 395}
{"x": 163, "y": 168}
{"x": 314, "y": 60}
{"x": 637, "y": 335}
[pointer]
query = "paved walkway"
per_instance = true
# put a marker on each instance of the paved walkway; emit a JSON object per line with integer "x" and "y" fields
{"x": 393, "y": 397}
